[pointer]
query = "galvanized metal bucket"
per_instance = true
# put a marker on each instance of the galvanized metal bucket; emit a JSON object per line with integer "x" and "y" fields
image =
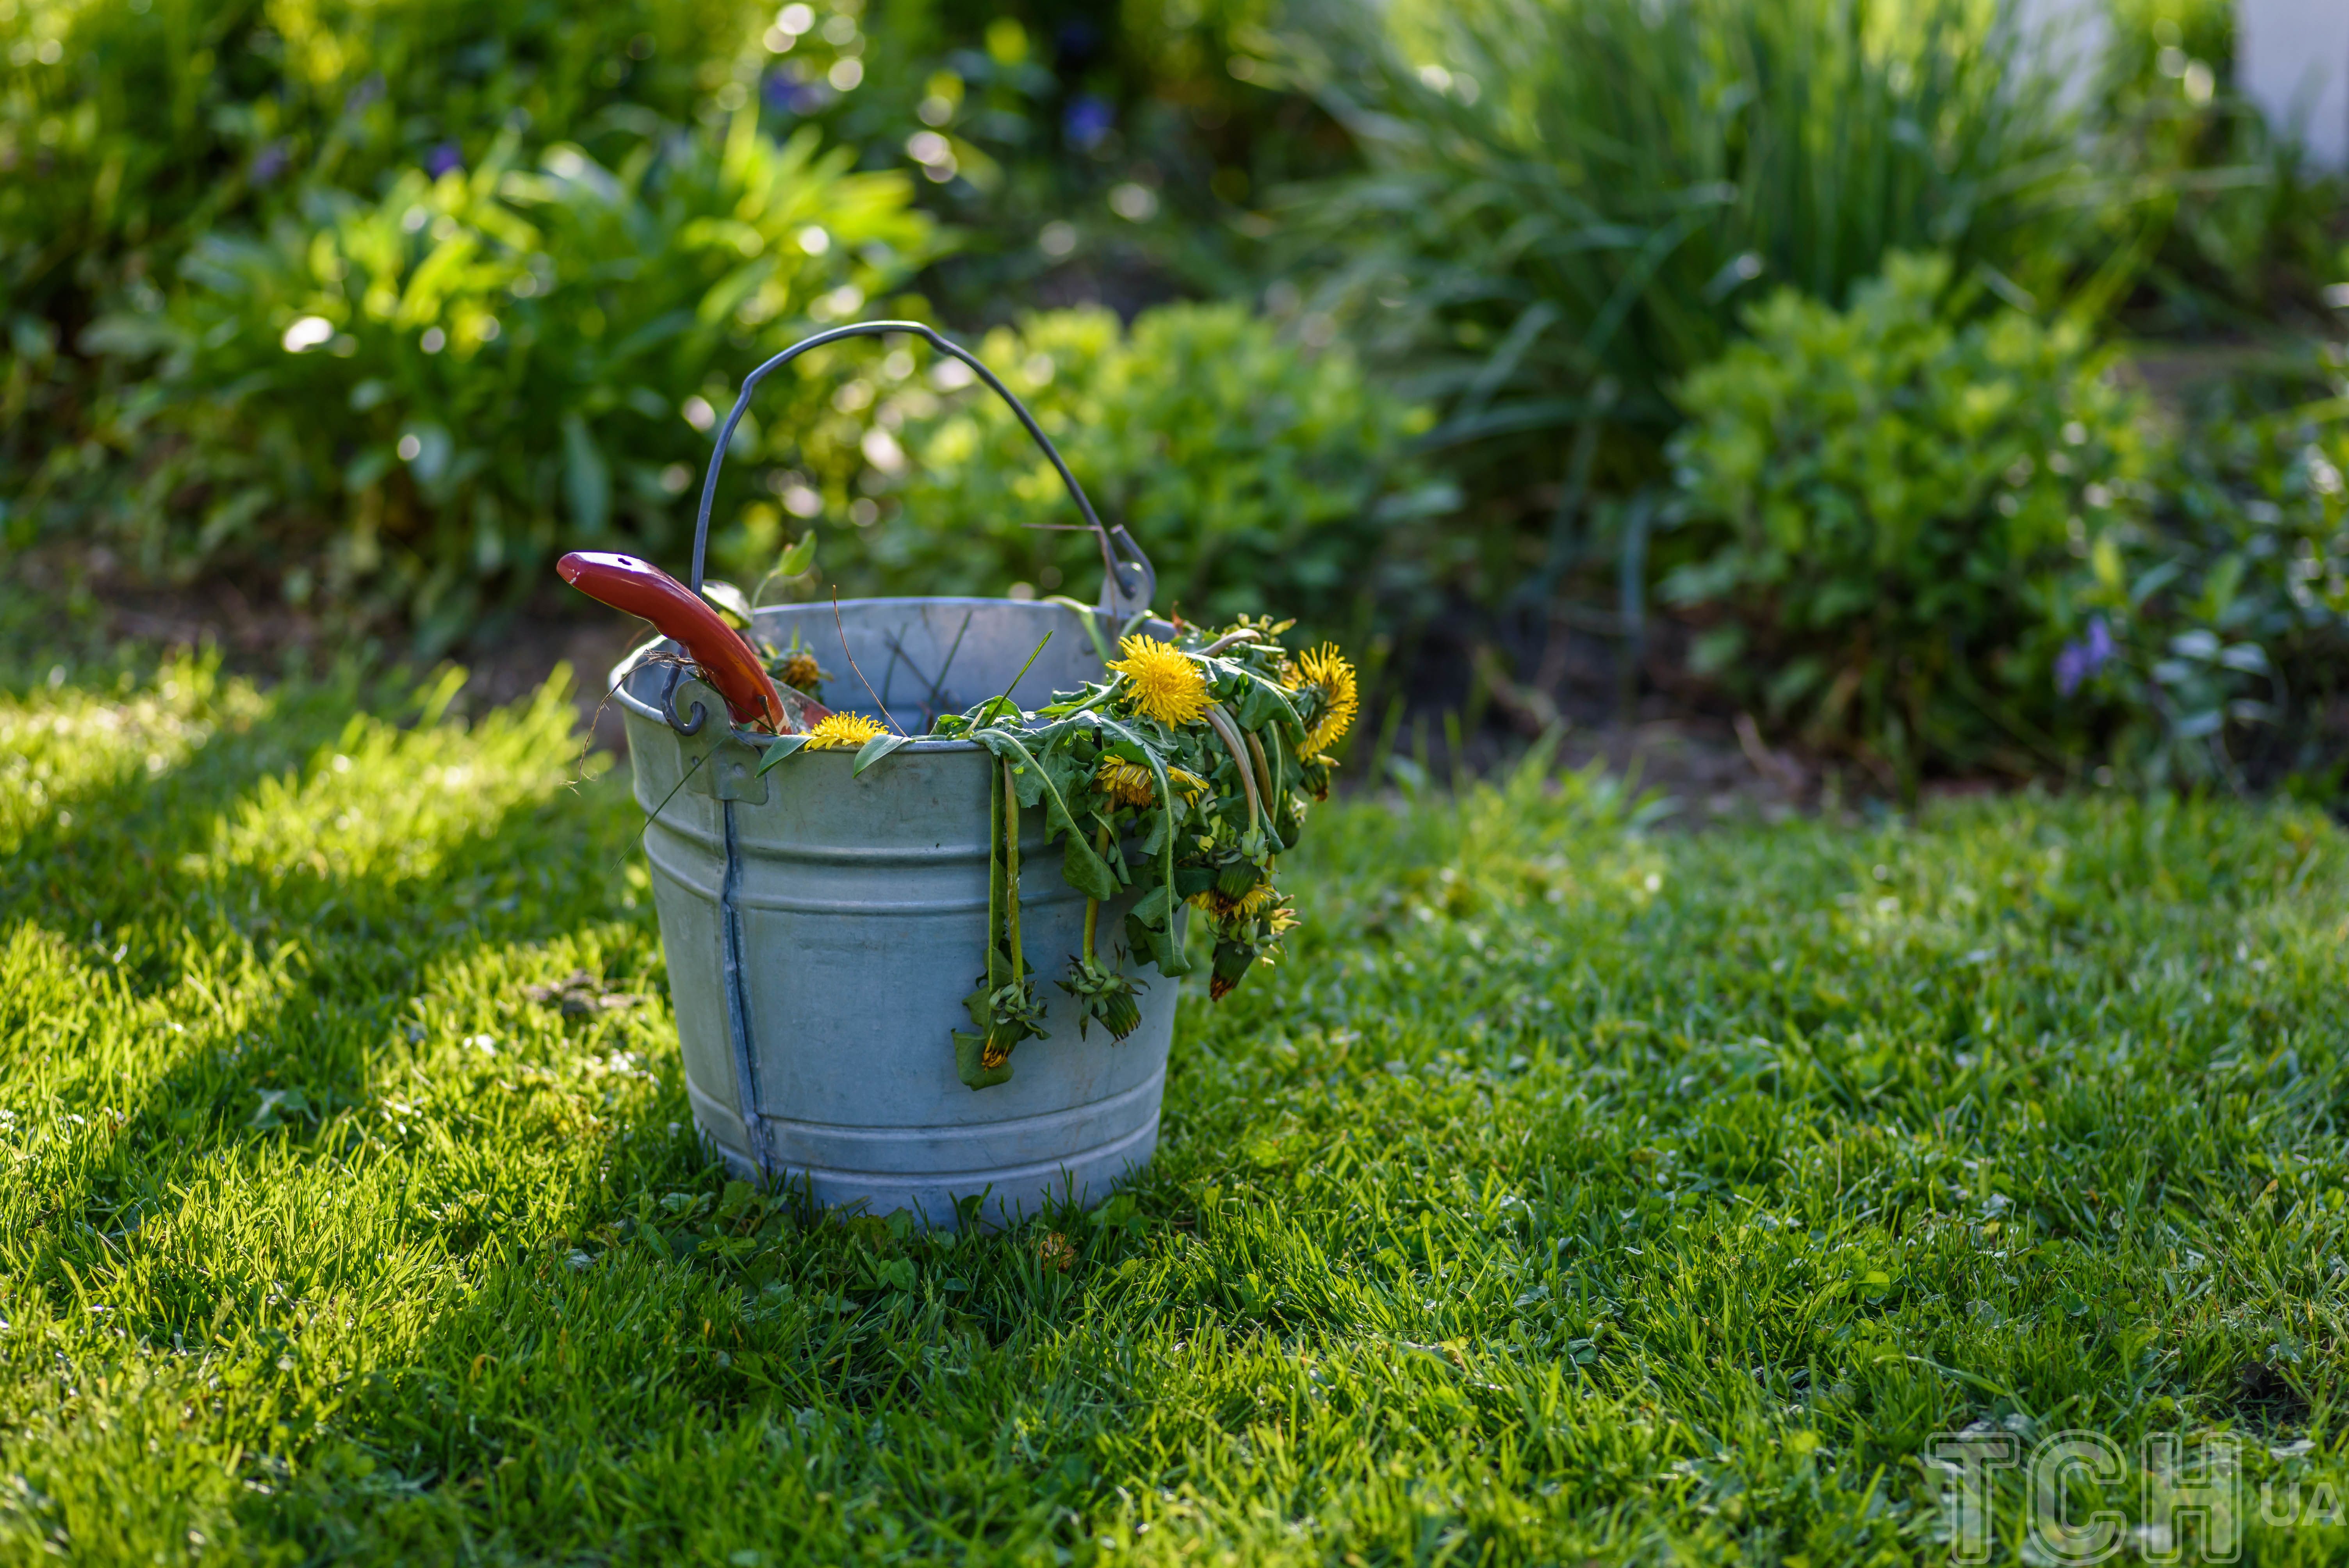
{"x": 822, "y": 929}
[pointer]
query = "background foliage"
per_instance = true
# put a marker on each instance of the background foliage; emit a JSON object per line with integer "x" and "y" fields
{"x": 1570, "y": 203}
{"x": 1878, "y": 495}
{"x": 139, "y": 124}
{"x": 2224, "y": 612}
{"x": 1474, "y": 263}
{"x": 418, "y": 400}
{"x": 1119, "y": 152}
{"x": 1260, "y": 479}
{"x": 130, "y": 129}
{"x": 497, "y": 362}
{"x": 2237, "y": 230}
{"x": 1924, "y": 541}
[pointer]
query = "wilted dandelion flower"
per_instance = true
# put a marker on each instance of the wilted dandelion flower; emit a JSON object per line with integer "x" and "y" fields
{"x": 841, "y": 732}
{"x": 1166, "y": 683}
{"x": 1127, "y": 783}
{"x": 800, "y": 669}
{"x": 1247, "y": 907}
{"x": 1131, "y": 784}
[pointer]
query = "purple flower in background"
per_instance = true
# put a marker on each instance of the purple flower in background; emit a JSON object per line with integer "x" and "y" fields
{"x": 783, "y": 93}
{"x": 445, "y": 158}
{"x": 2077, "y": 661}
{"x": 270, "y": 162}
{"x": 1088, "y": 120}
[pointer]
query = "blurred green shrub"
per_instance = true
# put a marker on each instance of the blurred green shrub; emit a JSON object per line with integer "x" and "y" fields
{"x": 128, "y": 127}
{"x": 139, "y": 123}
{"x": 413, "y": 402}
{"x": 1872, "y": 498}
{"x": 1569, "y": 201}
{"x": 131, "y": 128}
{"x": 1940, "y": 543}
{"x": 1259, "y": 477}
{"x": 1123, "y": 149}
{"x": 183, "y": 181}
{"x": 2238, "y": 230}
{"x": 2208, "y": 641}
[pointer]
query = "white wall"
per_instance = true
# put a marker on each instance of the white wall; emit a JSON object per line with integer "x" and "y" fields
{"x": 2292, "y": 58}
{"x": 2072, "y": 37}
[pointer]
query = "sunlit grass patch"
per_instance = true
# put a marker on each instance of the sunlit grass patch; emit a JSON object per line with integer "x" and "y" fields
{"x": 1570, "y": 1189}
{"x": 59, "y": 743}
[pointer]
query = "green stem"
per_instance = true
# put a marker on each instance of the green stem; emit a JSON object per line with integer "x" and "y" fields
{"x": 1092, "y": 906}
{"x": 996, "y": 942}
{"x": 1011, "y": 871}
{"x": 1262, "y": 771}
{"x": 1091, "y": 617}
{"x": 1167, "y": 839}
{"x": 1221, "y": 722}
{"x": 991, "y": 707}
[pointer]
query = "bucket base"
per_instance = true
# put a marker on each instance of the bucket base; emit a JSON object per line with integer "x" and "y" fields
{"x": 1083, "y": 1179}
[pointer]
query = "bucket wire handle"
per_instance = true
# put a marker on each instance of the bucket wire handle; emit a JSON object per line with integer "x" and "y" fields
{"x": 1128, "y": 580}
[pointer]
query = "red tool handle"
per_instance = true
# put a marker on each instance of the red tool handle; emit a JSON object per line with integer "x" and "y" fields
{"x": 727, "y": 661}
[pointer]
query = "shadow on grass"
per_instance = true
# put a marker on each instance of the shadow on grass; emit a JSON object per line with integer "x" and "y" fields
{"x": 570, "y": 1400}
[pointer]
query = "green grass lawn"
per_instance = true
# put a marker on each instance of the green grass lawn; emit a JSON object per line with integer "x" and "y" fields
{"x": 1570, "y": 1191}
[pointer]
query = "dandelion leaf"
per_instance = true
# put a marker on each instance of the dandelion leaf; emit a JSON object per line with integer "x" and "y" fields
{"x": 1086, "y": 872}
{"x": 974, "y": 1073}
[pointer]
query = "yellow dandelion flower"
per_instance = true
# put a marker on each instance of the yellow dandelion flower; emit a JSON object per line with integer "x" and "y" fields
{"x": 843, "y": 732}
{"x": 1164, "y": 682}
{"x": 1327, "y": 669}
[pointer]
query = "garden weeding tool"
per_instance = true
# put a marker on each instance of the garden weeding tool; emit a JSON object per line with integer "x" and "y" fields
{"x": 726, "y": 660}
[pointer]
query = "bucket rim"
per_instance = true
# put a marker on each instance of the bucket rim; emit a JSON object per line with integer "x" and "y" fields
{"x": 616, "y": 685}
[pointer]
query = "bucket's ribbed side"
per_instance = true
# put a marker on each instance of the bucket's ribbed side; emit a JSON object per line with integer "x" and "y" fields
{"x": 859, "y": 905}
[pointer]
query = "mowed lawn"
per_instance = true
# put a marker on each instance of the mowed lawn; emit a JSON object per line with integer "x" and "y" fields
{"x": 1577, "y": 1189}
